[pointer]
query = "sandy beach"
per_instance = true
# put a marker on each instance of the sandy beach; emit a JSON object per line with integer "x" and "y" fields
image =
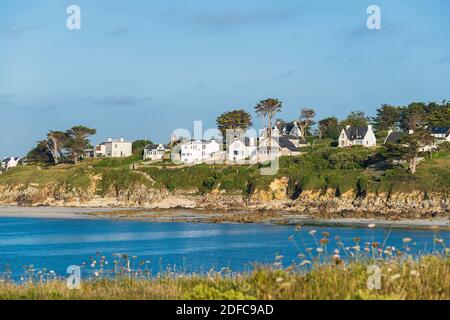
{"x": 191, "y": 215}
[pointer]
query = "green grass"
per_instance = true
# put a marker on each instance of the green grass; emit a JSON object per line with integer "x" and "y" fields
{"x": 427, "y": 278}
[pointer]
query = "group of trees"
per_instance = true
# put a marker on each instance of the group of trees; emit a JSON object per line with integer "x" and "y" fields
{"x": 266, "y": 110}
{"x": 414, "y": 116}
{"x": 62, "y": 146}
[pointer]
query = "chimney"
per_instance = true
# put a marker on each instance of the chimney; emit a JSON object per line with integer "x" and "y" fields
{"x": 109, "y": 139}
{"x": 347, "y": 127}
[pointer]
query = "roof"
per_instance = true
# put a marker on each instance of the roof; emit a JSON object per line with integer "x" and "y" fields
{"x": 153, "y": 146}
{"x": 10, "y": 158}
{"x": 285, "y": 143}
{"x": 356, "y": 133}
{"x": 245, "y": 140}
{"x": 394, "y": 137}
{"x": 294, "y": 137}
{"x": 197, "y": 141}
{"x": 440, "y": 130}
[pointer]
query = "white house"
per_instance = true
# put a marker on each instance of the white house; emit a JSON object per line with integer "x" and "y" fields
{"x": 242, "y": 150}
{"x": 100, "y": 150}
{"x": 114, "y": 148}
{"x": 357, "y": 136}
{"x": 292, "y": 129}
{"x": 199, "y": 151}
{"x": 279, "y": 145}
{"x": 10, "y": 162}
{"x": 155, "y": 152}
{"x": 441, "y": 134}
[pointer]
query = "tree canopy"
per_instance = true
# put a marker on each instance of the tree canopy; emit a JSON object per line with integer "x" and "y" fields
{"x": 236, "y": 119}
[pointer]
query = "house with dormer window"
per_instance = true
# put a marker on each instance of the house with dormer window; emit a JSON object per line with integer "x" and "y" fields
{"x": 357, "y": 136}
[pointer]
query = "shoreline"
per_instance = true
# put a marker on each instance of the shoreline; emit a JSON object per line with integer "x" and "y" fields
{"x": 195, "y": 215}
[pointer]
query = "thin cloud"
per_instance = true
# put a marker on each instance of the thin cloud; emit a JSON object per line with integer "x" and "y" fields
{"x": 287, "y": 74}
{"x": 120, "y": 32}
{"x": 6, "y": 99}
{"x": 233, "y": 18}
{"x": 16, "y": 30}
{"x": 119, "y": 101}
{"x": 442, "y": 60}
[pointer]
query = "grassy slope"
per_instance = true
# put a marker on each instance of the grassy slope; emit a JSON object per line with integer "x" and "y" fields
{"x": 317, "y": 169}
{"x": 428, "y": 278}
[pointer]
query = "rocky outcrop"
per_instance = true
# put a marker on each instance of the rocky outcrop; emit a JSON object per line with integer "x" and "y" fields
{"x": 412, "y": 205}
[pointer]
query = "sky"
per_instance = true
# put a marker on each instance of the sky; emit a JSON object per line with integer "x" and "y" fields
{"x": 143, "y": 68}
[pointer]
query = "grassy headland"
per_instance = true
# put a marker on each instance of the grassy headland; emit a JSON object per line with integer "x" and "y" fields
{"x": 323, "y": 171}
{"x": 316, "y": 169}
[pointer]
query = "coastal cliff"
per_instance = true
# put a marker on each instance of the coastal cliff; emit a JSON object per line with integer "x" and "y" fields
{"x": 320, "y": 204}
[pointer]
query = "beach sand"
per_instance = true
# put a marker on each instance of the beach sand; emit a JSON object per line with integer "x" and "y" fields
{"x": 192, "y": 215}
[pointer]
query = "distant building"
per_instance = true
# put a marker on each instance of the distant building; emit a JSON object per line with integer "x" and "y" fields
{"x": 279, "y": 145}
{"x": 242, "y": 150}
{"x": 357, "y": 136}
{"x": 9, "y": 162}
{"x": 394, "y": 137}
{"x": 440, "y": 133}
{"x": 118, "y": 148}
{"x": 292, "y": 129}
{"x": 155, "y": 152}
{"x": 199, "y": 151}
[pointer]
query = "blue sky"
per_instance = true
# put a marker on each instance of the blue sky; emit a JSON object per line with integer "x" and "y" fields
{"x": 142, "y": 68}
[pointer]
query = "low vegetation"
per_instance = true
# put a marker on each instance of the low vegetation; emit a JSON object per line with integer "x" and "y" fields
{"x": 426, "y": 278}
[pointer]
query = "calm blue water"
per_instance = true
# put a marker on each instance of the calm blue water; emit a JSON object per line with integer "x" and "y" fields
{"x": 56, "y": 244}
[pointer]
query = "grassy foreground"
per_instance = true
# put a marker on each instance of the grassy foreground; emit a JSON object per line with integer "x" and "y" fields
{"x": 425, "y": 278}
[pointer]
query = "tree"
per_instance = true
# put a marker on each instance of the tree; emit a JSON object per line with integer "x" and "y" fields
{"x": 409, "y": 148}
{"x": 77, "y": 141}
{"x": 439, "y": 114}
{"x": 355, "y": 119}
{"x": 267, "y": 109}
{"x": 413, "y": 116}
{"x": 306, "y": 120}
{"x": 329, "y": 128}
{"x": 232, "y": 120}
{"x": 139, "y": 146}
{"x": 55, "y": 142}
{"x": 388, "y": 117}
{"x": 40, "y": 153}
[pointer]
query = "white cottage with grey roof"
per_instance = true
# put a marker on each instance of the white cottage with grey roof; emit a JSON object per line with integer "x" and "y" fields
{"x": 155, "y": 152}
{"x": 9, "y": 162}
{"x": 357, "y": 136}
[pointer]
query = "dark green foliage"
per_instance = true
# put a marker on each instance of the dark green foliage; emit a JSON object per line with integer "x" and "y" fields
{"x": 139, "y": 146}
{"x": 40, "y": 154}
{"x": 355, "y": 119}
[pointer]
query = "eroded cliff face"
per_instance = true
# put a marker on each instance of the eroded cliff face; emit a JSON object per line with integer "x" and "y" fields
{"x": 412, "y": 205}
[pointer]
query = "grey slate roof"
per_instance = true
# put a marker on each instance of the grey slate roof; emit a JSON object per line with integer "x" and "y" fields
{"x": 440, "y": 130}
{"x": 356, "y": 133}
{"x": 394, "y": 137}
{"x": 285, "y": 143}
